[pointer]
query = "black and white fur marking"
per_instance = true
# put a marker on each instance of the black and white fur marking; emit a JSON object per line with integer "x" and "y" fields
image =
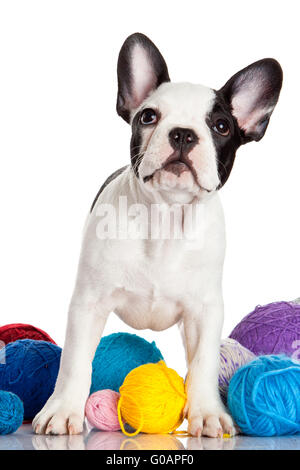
{"x": 183, "y": 146}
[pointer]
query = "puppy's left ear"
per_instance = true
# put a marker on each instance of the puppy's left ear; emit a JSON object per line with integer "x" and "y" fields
{"x": 252, "y": 94}
{"x": 141, "y": 69}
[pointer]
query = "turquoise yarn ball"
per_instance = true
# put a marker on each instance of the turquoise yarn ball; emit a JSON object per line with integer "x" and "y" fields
{"x": 264, "y": 397}
{"x": 11, "y": 412}
{"x": 117, "y": 355}
{"x": 29, "y": 369}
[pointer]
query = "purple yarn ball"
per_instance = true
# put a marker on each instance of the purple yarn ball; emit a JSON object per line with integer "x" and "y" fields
{"x": 271, "y": 329}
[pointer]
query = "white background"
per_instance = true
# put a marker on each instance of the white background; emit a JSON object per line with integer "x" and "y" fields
{"x": 60, "y": 137}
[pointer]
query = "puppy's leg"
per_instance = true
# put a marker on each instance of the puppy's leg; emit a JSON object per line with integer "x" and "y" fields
{"x": 64, "y": 411}
{"x": 206, "y": 414}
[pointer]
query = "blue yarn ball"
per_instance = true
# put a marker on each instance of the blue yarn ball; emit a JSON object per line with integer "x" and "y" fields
{"x": 117, "y": 355}
{"x": 11, "y": 412}
{"x": 29, "y": 369}
{"x": 264, "y": 397}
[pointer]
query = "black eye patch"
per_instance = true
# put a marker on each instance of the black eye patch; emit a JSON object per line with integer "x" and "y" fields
{"x": 136, "y": 154}
{"x": 225, "y": 145}
{"x": 136, "y": 143}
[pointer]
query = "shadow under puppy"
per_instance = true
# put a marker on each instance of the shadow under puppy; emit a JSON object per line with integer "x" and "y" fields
{"x": 183, "y": 145}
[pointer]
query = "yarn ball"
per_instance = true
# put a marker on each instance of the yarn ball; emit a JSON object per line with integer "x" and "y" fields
{"x": 232, "y": 356}
{"x": 11, "y": 412}
{"x": 15, "y": 331}
{"x": 264, "y": 396}
{"x": 152, "y": 400}
{"x": 270, "y": 329}
{"x": 116, "y": 356}
{"x": 101, "y": 410}
{"x": 29, "y": 369}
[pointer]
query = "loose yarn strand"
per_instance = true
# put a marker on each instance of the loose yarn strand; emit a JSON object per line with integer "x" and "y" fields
{"x": 138, "y": 430}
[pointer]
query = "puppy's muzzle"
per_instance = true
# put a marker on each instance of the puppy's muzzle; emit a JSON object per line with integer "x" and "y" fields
{"x": 182, "y": 141}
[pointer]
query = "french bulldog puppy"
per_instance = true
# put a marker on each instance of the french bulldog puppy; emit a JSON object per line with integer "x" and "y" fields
{"x": 183, "y": 145}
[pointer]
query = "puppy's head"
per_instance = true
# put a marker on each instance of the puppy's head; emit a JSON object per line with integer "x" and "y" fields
{"x": 185, "y": 136}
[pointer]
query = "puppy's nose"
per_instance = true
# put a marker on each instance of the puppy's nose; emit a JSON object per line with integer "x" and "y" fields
{"x": 182, "y": 139}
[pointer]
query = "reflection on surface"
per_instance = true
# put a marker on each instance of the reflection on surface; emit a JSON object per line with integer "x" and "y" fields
{"x": 206, "y": 443}
{"x": 24, "y": 439}
{"x": 98, "y": 440}
{"x": 42, "y": 442}
{"x": 117, "y": 441}
{"x": 269, "y": 443}
{"x": 10, "y": 442}
{"x": 153, "y": 442}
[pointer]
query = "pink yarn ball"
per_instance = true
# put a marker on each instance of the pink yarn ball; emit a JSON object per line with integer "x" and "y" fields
{"x": 101, "y": 410}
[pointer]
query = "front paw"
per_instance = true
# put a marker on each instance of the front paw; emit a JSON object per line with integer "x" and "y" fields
{"x": 59, "y": 417}
{"x": 211, "y": 424}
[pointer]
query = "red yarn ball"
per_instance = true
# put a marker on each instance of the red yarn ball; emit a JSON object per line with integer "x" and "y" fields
{"x": 15, "y": 331}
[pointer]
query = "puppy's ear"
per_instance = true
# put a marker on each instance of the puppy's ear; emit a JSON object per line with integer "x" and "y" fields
{"x": 141, "y": 69}
{"x": 252, "y": 94}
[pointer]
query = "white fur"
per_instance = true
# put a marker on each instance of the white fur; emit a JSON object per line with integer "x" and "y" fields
{"x": 153, "y": 283}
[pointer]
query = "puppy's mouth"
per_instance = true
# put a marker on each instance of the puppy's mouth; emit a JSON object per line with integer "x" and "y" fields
{"x": 177, "y": 167}
{"x": 177, "y": 164}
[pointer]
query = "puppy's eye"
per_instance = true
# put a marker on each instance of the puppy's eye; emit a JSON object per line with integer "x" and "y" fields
{"x": 149, "y": 116}
{"x": 221, "y": 127}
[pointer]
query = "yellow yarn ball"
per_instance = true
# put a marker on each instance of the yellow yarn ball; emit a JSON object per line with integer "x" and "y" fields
{"x": 152, "y": 399}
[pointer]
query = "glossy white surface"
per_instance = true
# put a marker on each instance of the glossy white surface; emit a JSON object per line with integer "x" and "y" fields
{"x": 24, "y": 439}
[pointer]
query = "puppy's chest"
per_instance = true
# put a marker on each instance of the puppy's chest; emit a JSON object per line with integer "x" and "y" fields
{"x": 161, "y": 269}
{"x": 154, "y": 311}
{"x": 153, "y": 291}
